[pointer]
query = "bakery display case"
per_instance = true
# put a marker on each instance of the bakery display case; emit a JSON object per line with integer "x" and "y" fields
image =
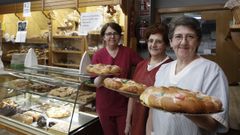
{"x": 39, "y": 100}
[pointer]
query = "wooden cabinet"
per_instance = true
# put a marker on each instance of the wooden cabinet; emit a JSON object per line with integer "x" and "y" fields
{"x": 66, "y": 51}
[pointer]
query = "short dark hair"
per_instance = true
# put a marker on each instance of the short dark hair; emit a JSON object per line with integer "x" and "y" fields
{"x": 158, "y": 28}
{"x": 113, "y": 25}
{"x": 187, "y": 21}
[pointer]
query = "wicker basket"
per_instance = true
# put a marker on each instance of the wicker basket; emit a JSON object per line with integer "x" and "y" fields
{"x": 236, "y": 14}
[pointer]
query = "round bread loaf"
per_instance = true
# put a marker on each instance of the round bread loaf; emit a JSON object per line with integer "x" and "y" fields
{"x": 103, "y": 69}
{"x": 8, "y": 107}
{"x": 174, "y": 99}
{"x": 124, "y": 85}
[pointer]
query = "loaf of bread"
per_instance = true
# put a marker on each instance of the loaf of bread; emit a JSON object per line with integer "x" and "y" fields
{"x": 124, "y": 85}
{"x": 174, "y": 99}
{"x": 103, "y": 69}
{"x": 62, "y": 91}
{"x": 57, "y": 112}
{"x": 34, "y": 114}
{"x": 23, "y": 118}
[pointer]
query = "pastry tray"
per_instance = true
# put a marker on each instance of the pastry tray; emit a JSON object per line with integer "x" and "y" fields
{"x": 36, "y": 102}
{"x": 181, "y": 113}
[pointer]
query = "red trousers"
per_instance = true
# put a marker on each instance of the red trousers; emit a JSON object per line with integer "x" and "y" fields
{"x": 113, "y": 125}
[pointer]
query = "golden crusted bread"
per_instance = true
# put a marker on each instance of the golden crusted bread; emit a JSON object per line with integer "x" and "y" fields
{"x": 34, "y": 114}
{"x": 103, "y": 69}
{"x": 58, "y": 112}
{"x": 174, "y": 99}
{"x": 23, "y": 118}
{"x": 124, "y": 85}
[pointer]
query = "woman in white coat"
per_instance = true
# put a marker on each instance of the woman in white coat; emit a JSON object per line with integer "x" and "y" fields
{"x": 193, "y": 72}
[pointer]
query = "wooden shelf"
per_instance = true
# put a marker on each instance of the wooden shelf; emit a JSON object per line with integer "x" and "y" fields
{"x": 237, "y": 26}
{"x": 66, "y": 65}
{"x": 68, "y": 37}
{"x": 36, "y": 41}
{"x": 67, "y": 51}
{"x": 30, "y": 41}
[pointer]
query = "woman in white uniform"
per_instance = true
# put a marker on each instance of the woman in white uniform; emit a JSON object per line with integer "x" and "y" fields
{"x": 193, "y": 72}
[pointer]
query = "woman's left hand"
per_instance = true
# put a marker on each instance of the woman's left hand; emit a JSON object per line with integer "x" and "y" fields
{"x": 127, "y": 129}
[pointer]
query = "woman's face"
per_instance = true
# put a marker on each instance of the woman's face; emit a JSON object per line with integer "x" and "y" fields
{"x": 111, "y": 37}
{"x": 156, "y": 45}
{"x": 184, "y": 42}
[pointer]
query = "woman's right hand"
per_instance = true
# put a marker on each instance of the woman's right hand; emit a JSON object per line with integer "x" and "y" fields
{"x": 98, "y": 80}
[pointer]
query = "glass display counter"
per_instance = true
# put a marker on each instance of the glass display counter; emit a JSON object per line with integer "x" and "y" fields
{"x": 43, "y": 100}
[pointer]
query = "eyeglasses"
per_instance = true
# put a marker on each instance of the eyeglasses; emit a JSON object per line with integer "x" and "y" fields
{"x": 111, "y": 34}
{"x": 157, "y": 41}
{"x": 180, "y": 37}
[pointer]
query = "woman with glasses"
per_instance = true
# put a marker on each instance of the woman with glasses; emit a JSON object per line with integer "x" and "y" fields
{"x": 111, "y": 106}
{"x": 193, "y": 72}
{"x": 157, "y": 40}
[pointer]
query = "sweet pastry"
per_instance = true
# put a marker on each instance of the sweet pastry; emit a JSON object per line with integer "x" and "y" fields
{"x": 41, "y": 88}
{"x": 57, "y": 112}
{"x": 34, "y": 114}
{"x": 62, "y": 91}
{"x": 18, "y": 84}
{"x": 8, "y": 107}
{"x": 23, "y": 118}
{"x": 103, "y": 69}
{"x": 84, "y": 96}
{"x": 124, "y": 85}
{"x": 174, "y": 99}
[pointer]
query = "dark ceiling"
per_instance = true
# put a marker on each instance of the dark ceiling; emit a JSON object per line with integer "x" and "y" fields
{"x": 12, "y": 1}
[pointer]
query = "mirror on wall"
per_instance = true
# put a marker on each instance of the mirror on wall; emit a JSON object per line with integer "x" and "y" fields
{"x": 208, "y": 43}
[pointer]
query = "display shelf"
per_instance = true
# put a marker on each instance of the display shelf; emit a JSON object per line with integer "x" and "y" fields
{"x": 68, "y": 37}
{"x": 36, "y": 41}
{"x": 67, "y": 51}
{"x": 235, "y": 27}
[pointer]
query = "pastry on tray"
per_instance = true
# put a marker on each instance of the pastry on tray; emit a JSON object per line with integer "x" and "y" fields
{"x": 58, "y": 112}
{"x": 124, "y": 85}
{"x": 174, "y": 99}
{"x": 23, "y": 118}
{"x": 18, "y": 84}
{"x": 62, "y": 91}
{"x": 34, "y": 114}
{"x": 41, "y": 88}
{"x": 103, "y": 69}
{"x": 8, "y": 107}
